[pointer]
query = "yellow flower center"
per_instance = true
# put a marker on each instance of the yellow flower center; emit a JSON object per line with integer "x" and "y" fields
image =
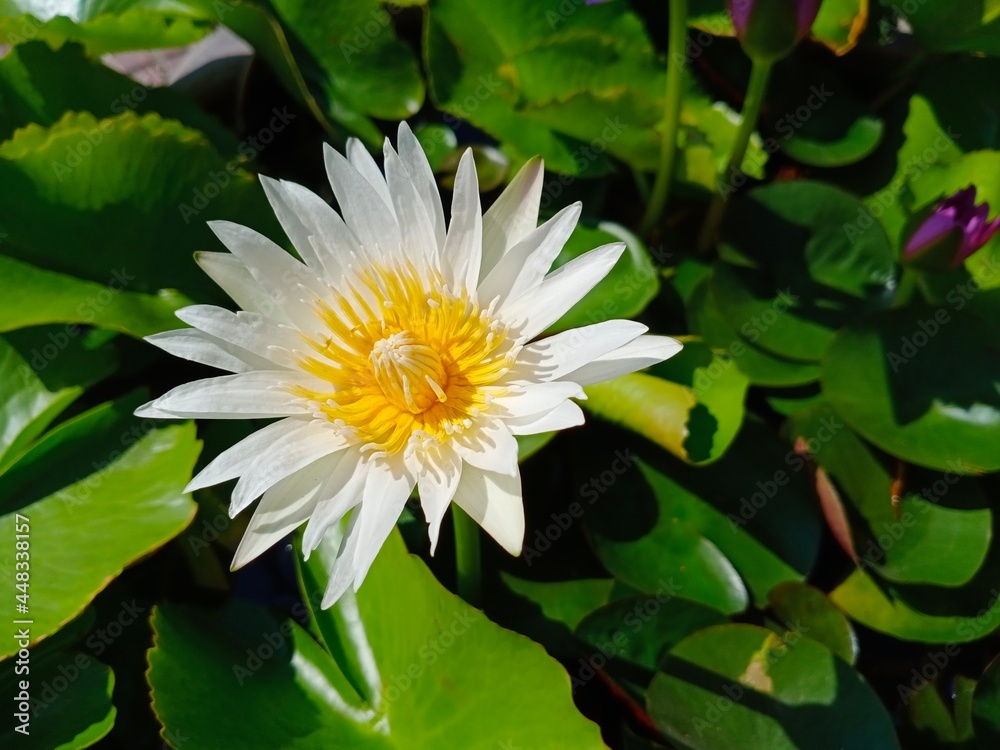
{"x": 405, "y": 357}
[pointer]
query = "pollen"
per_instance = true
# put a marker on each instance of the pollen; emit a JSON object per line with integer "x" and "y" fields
{"x": 407, "y": 358}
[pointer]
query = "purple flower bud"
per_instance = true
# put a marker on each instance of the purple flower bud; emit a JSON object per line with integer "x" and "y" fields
{"x": 957, "y": 225}
{"x": 769, "y": 29}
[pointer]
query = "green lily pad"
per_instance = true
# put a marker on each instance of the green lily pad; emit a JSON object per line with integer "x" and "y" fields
{"x": 806, "y": 277}
{"x": 36, "y": 297}
{"x": 733, "y": 686}
{"x": 880, "y": 607}
{"x": 70, "y": 700}
{"x": 939, "y": 529}
{"x": 760, "y": 366}
{"x": 715, "y": 531}
{"x": 986, "y": 706}
{"x": 96, "y": 493}
{"x": 641, "y": 629}
{"x": 131, "y": 25}
{"x": 944, "y": 26}
{"x": 433, "y": 681}
{"x": 805, "y": 609}
{"x": 565, "y": 602}
{"x": 154, "y": 180}
{"x": 624, "y": 292}
{"x": 929, "y": 394}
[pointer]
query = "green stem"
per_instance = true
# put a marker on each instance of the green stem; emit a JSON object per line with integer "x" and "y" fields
{"x": 676, "y": 58}
{"x": 760, "y": 74}
{"x": 467, "y": 555}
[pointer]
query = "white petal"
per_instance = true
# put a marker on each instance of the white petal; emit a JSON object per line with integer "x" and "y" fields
{"x": 414, "y": 223}
{"x": 369, "y": 217}
{"x": 284, "y": 507}
{"x": 567, "y": 414}
{"x": 556, "y": 356}
{"x": 513, "y": 215}
{"x": 489, "y": 447}
{"x": 253, "y": 332}
{"x": 387, "y": 488}
{"x": 645, "y": 351}
{"x": 198, "y": 346}
{"x": 281, "y": 459}
{"x": 247, "y": 395}
{"x": 463, "y": 247}
{"x": 287, "y": 281}
{"x": 315, "y": 229}
{"x": 537, "y": 309}
{"x": 413, "y": 156}
{"x": 342, "y": 492}
{"x": 342, "y": 572}
{"x": 437, "y": 480}
{"x": 362, "y": 160}
{"x": 494, "y": 502}
{"x": 228, "y": 271}
{"x": 525, "y": 265}
{"x": 240, "y": 457}
{"x": 535, "y": 399}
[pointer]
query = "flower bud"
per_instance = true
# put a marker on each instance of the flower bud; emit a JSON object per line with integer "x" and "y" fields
{"x": 951, "y": 232}
{"x": 770, "y": 29}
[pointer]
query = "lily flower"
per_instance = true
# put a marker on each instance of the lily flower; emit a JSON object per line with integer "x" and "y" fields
{"x": 397, "y": 354}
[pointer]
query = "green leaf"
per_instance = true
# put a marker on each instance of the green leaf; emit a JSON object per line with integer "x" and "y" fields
{"x": 720, "y": 390}
{"x": 99, "y": 491}
{"x": 641, "y": 629}
{"x": 818, "y": 117}
{"x": 881, "y": 608}
{"x": 655, "y": 408}
{"x": 624, "y": 292}
{"x": 937, "y": 532}
{"x": 711, "y": 529}
{"x": 123, "y": 201}
{"x": 250, "y": 665}
{"x": 35, "y": 297}
{"x": 566, "y": 602}
{"x": 126, "y": 25}
{"x": 726, "y": 684}
{"x": 840, "y": 23}
{"x": 802, "y": 276}
{"x": 27, "y": 406}
{"x": 567, "y": 82}
{"x": 944, "y": 26}
{"x": 802, "y": 608}
{"x": 760, "y": 367}
{"x": 342, "y": 60}
{"x": 930, "y": 391}
{"x": 986, "y": 706}
{"x": 61, "y": 718}
{"x": 434, "y": 665}
{"x": 40, "y": 85}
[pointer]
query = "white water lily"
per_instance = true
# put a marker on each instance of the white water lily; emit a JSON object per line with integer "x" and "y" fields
{"x": 397, "y": 355}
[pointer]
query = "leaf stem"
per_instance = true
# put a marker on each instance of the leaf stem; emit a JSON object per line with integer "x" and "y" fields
{"x": 468, "y": 560}
{"x": 760, "y": 74}
{"x": 676, "y": 60}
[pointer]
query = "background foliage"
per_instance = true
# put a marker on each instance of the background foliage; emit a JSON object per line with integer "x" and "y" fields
{"x": 781, "y": 538}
